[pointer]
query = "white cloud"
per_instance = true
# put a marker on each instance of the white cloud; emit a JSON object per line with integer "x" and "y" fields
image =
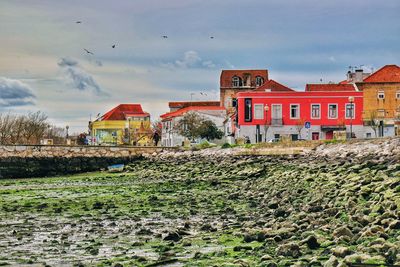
{"x": 332, "y": 59}
{"x": 15, "y": 93}
{"x": 191, "y": 59}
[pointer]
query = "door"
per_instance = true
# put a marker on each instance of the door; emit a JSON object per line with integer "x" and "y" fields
{"x": 329, "y": 135}
{"x": 315, "y": 136}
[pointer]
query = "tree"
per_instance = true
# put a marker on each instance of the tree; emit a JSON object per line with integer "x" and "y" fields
{"x": 189, "y": 125}
{"x": 209, "y": 130}
{"x": 373, "y": 121}
{"x": 299, "y": 126}
{"x": 193, "y": 126}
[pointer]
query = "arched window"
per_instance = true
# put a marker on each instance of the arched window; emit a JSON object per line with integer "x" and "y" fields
{"x": 237, "y": 81}
{"x": 259, "y": 81}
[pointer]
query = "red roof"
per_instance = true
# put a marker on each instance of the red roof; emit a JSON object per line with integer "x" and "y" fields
{"x": 388, "y": 74}
{"x": 227, "y": 75}
{"x": 120, "y": 112}
{"x": 183, "y": 104}
{"x": 273, "y": 86}
{"x": 330, "y": 87}
{"x": 186, "y": 109}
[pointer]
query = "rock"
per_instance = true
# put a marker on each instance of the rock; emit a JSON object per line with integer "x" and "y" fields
{"x": 311, "y": 242}
{"x": 341, "y": 251}
{"x": 395, "y": 225}
{"x": 289, "y": 249}
{"x": 174, "y": 236}
{"x": 343, "y": 231}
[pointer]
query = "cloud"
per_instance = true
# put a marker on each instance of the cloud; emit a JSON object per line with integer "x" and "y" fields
{"x": 191, "y": 59}
{"x": 15, "y": 93}
{"x": 78, "y": 77}
{"x": 332, "y": 59}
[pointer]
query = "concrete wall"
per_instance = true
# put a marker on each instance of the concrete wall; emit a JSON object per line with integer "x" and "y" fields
{"x": 39, "y": 161}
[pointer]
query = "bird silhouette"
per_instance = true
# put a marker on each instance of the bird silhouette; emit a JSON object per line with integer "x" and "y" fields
{"x": 113, "y": 46}
{"x": 87, "y": 51}
{"x": 164, "y": 36}
{"x": 211, "y": 37}
{"x": 79, "y": 22}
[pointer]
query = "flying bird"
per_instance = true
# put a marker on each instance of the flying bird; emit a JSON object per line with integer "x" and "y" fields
{"x": 113, "y": 46}
{"x": 211, "y": 37}
{"x": 78, "y": 22}
{"x": 87, "y": 51}
{"x": 164, "y": 36}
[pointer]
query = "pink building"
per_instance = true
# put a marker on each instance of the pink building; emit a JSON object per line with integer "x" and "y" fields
{"x": 313, "y": 114}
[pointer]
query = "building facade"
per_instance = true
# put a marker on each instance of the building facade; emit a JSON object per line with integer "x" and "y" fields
{"x": 382, "y": 101}
{"x": 169, "y": 133}
{"x": 235, "y": 81}
{"x": 317, "y": 113}
{"x": 125, "y": 124}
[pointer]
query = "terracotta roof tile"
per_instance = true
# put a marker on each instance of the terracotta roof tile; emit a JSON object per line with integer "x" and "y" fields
{"x": 388, "y": 73}
{"x": 274, "y": 86}
{"x": 183, "y": 104}
{"x": 119, "y": 112}
{"x": 187, "y": 109}
{"x": 330, "y": 88}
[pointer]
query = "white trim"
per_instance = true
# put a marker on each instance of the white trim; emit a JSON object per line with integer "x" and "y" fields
{"x": 294, "y": 96}
{"x": 354, "y": 110}
{"x": 272, "y": 117}
{"x": 380, "y": 92}
{"x": 319, "y": 111}
{"x": 337, "y": 111}
{"x": 290, "y": 111}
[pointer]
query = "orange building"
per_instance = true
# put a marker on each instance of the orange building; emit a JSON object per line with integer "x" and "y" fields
{"x": 382, "y": 100}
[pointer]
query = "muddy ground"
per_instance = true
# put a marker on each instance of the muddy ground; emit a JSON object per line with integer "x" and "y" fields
{"x": 207, "y": 211}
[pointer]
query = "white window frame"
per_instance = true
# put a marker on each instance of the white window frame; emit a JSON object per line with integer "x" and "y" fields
{"x": 236, "y": 80}
{"x": 298, "y": 111}
{"x": 272, "y": 113}
{"x": 311, "y": 111}
{"x": 262, "y": 111}
{"x": 337, "y": 111}
{"x": 354, "y": 111}
{"x": 261, "y": 79}
{"x": 381, "y": 93}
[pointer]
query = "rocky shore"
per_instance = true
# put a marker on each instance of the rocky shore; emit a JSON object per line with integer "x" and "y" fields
{"x": 335, "y": 205}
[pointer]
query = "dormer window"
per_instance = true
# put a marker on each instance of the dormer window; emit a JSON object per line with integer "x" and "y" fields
{"x": 381, "y": 95}
{"x": 237, "y": 81}
{"x": 259, "y": 81}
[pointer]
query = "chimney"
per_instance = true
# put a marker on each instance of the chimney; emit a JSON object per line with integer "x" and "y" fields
{"x": 349, "y": 76}
{"x": 359, "y": 76}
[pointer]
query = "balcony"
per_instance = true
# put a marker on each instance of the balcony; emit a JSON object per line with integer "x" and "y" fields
{"x": 276, "y": 122}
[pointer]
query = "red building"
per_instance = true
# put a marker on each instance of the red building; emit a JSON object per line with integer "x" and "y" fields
{"x": 313, "y": 114}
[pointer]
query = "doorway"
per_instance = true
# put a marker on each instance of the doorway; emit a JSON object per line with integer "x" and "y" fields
{"x": 315, "y": 136}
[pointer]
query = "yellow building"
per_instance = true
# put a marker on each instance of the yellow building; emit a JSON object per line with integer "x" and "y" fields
{"x": 125, "y": 124}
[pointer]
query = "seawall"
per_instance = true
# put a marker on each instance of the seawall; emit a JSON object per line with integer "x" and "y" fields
{"x": 38, "y": 161}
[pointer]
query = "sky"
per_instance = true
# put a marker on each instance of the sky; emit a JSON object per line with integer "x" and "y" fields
{"x": 44, "y": 65}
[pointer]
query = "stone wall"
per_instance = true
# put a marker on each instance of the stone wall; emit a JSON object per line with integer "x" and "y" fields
{"x": 39, "y": 161}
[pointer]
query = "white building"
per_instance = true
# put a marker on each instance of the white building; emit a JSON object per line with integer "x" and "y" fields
{"x": 169, "y": 134}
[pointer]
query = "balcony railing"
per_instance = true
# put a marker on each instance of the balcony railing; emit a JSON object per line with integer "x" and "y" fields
{"x": 276, "y": 122}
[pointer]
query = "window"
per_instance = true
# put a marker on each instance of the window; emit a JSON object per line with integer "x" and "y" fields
{"x": 332, "y": 111}
{"x": 259, "y": 111}
{"x": 259, "y": 81}
{"x": 369, "y": 135}
{"x": 315, "y": 111}
{"x": 237, "y": 81}
{"x": 381, "y": 113}
{"x": 398, "y": 95}
{"x": 381, "y": 95}
{"x": 350, "y": 110}
{"x": 295, "y": 111}
{"x": 247, "y": 109}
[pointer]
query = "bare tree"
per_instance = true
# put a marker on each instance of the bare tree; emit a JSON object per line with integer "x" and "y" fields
{"x": 299, "y": 126}
{"x": 373, "y": 121}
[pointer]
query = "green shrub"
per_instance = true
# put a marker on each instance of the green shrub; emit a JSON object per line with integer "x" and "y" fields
{"x": 226, "y": 145}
